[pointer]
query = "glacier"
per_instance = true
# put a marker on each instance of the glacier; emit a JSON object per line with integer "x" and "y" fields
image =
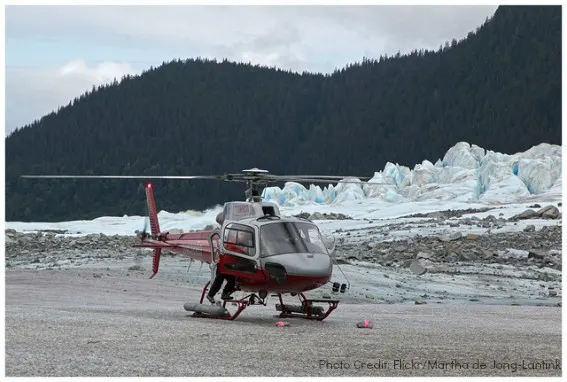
{"x": 467, "y": 173}
{"x": 466, "y": 177}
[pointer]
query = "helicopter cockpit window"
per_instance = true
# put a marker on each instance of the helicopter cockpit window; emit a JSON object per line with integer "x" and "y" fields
{"x": 240, "y": 239}
{"x": 287, "y": 237}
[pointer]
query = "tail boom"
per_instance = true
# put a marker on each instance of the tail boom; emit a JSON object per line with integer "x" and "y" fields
{"x": 192, "y": 244}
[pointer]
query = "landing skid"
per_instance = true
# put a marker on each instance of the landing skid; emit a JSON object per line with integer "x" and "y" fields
{"x": 306, "y": 309}
{"x": 220, "y": 311}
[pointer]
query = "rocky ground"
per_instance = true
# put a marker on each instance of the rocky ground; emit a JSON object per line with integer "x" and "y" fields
{"x": 540, "y": 248}
{"x": 523, "y": 263}
{"x": 519, "y": 263}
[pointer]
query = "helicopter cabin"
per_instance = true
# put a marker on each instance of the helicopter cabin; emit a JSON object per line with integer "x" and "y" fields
{"x": 235, "y": 211}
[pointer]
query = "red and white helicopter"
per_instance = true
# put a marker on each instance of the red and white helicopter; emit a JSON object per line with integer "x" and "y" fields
{"x": 264, "y": 251}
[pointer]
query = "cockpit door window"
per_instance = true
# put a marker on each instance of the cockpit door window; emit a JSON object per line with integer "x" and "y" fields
{"x": 240, "y": 239}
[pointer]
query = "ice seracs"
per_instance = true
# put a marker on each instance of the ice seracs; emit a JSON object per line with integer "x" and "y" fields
{"x": 466, "y": 173}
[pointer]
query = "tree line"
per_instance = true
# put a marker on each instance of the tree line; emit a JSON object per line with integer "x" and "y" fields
{"x": 499, "y": 88}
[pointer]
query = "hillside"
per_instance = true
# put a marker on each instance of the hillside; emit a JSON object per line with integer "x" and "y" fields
{"x": 499, "y": 88}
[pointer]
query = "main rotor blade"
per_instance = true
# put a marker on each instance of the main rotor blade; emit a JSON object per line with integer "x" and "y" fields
{"x": 220, "y": 177}
{"x": 348, "y": 181}
{"x": 261, "y": 178}
{"x": 320, "y": 177}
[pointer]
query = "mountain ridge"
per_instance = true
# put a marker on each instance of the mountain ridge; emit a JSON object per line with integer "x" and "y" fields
{"x": 499, "y": 88}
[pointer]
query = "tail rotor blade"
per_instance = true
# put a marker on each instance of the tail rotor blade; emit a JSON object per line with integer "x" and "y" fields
{"x": 144, "y": 233}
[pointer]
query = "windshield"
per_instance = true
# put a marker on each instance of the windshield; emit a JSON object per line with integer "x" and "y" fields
{"x": 286, "y": 237}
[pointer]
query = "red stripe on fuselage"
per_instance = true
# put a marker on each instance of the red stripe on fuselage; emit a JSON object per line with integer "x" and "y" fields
{"x": 260, "y": 280}
{"x": 292, "y": 283}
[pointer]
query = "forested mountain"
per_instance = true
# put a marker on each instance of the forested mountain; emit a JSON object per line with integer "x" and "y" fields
{"x": 499, "y": 88}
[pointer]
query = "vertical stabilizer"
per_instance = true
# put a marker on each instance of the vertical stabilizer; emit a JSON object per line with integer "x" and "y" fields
{"x": 152, "y": 210}
{"x": 154, "y": 225}
{"x": 155, "y": 265}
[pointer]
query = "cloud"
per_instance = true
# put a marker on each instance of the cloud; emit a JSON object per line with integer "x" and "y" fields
{"x": 225, "y": 29}
{"x": 102, "y": 73}
{"x": 34, "y": 92}
{"x": 312, "y": 38}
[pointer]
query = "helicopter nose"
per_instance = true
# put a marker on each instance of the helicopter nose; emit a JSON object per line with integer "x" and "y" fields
{"x": 300, "y": 264}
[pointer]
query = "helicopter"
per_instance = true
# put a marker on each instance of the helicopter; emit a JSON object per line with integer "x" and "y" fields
{"x": 264, "y": 251}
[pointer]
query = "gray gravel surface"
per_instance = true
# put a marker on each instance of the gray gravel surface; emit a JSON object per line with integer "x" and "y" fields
{"x": 76, "y": 322}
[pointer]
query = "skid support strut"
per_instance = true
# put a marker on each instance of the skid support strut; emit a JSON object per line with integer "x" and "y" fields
{"x": 306, "y": 309}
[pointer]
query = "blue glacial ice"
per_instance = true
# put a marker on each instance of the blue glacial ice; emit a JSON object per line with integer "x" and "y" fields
{"x": 467, "y": 173}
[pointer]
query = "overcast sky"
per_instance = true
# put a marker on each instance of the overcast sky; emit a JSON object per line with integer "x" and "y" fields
{"x": 55, "y": 53}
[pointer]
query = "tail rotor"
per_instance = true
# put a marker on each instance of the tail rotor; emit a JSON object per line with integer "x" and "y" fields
{"x": 143, "y": 235}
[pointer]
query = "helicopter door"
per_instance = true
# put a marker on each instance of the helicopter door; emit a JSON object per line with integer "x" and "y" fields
{"x": 239, "y": 242}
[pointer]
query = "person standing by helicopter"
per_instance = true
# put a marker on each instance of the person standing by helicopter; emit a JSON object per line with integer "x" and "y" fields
{"x": 217, "y": 281}
{"x": 238, "y": 240}
{"x": 218, "y": 278}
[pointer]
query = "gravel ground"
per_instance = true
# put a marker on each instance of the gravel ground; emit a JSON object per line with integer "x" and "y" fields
{"x": 77, "y": 322}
